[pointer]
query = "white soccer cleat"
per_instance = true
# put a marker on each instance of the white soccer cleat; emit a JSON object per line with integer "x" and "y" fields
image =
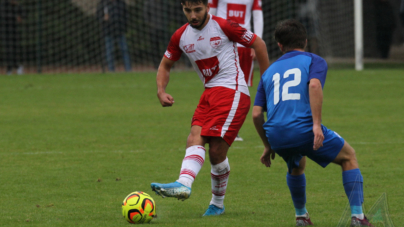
{"x": 20, "y": 70}
{"x": 174, "y": 189}
{"x": 238, "y": 138}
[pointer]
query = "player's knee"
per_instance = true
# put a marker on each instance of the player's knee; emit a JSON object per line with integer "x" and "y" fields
{"x": 350, "y": 154}
{"x": 297, "y": 171}
{"x": 195, "y": 139}
{"x": 347, "y": 159}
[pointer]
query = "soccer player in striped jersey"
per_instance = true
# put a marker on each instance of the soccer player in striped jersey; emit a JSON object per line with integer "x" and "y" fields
{"x": 291, "y": 92}
{"x": 210, "y": 43}
{"x": 242, "y": 11}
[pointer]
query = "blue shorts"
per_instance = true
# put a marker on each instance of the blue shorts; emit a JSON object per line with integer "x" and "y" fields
{"x": 332, "y": 145}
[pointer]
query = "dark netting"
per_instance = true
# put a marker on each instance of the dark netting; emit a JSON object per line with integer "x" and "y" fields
{"x": 118, "y": 35}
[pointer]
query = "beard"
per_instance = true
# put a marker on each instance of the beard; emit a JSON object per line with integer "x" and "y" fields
{"x": 201, "y": 24}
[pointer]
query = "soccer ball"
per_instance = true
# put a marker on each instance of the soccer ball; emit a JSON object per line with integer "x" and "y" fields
{"x": 138, "y": 207}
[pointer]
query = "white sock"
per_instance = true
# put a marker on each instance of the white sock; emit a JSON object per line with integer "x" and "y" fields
{"x": 220, "y": 177}
{"x": 306, "y": 215}
{"x": 360, "y": 216}
{"x": 192, "y": 164}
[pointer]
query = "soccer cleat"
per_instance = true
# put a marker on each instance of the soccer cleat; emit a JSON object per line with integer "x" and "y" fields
{"x": 360, "y": 222}
{"x": 238, "y": 138}
{"x": 213, "y": 211}
{"x": 174, "y": 189}
{"x": 303, "y": 221}
{"x": 20, "y": 70}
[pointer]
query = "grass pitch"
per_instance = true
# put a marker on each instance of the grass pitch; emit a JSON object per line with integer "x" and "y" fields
{"x": 73, "y": 146}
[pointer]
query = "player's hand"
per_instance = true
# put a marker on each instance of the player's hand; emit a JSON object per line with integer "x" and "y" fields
{"x": 106, "y": 17}
{"x": 253, "y": 54}
{"x": 267, "y": 156}
{"x": 318, "y": 137}
{"x": 165, "y": 99}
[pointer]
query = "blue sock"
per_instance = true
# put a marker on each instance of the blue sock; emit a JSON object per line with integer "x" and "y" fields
{"x": 353, "y": 185}
{"x": 297, "y": 187}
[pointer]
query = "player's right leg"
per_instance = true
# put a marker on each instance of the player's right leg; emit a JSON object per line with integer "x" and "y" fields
{"x": 220, "y": 171}
{"x": 109, "y": 52}
{"x": 227, "y": 111}
{"x": 191, "y": 165}
{"x": 193, "y": 160}
{"x": 353, "y": 184}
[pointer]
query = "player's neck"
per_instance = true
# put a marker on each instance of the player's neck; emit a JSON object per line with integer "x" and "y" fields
{"x": 286, "y": 51}
{"x": 206, "y": 22}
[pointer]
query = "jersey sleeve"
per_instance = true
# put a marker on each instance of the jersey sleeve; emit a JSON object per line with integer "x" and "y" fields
{"x": 260, "y": 98}
{"x": 257, "y": 5}
{"x": 213, "y": 3}
{"x": 235, "y": 32}
{"x": 318, "y": 69}
{"x": 173, "y": 51}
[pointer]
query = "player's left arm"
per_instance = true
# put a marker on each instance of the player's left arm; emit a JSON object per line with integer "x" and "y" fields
{"x": 240, "y": 35}
{"x": 258, "y": 18}
{"x": 316, "y": 103}
{"x": 261, "y": 54}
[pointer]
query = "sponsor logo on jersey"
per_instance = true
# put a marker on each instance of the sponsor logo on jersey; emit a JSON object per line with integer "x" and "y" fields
{"x": 168, "y": 54}
{"x": 236, "y": 12}
{"x": 190, "y": 48}
{"x": 215, "y": 42}
{"x": 214, "y": 128}
{"x": 209, "y": 67}
{"x": 248, "y": 36}
{"x": 200, "y": 38}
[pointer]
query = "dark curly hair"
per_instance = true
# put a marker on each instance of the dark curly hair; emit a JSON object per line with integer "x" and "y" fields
{"x": 205, "y": 2}
{"x": 291, "y": 34}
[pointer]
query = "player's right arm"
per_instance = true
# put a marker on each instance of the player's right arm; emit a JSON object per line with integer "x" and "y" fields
{"x": 163, "y": 77}
{"x": 259, "y": 121}
{"x": 172, "y": 55}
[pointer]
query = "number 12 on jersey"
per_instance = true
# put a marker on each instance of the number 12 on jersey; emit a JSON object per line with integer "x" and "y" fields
{"x": 285, "y": 89}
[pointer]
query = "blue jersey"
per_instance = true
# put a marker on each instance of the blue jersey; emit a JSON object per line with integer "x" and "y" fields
{"x": 284, "y": 94}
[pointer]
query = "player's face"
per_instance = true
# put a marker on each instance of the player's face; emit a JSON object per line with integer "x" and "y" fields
{"x": 196, "y": 14}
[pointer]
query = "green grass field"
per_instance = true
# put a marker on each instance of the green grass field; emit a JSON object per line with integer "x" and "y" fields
{"x": 73, "y": 146}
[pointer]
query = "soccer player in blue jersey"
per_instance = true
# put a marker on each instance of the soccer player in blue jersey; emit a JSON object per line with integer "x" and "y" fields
{"x": 291, "y": 92}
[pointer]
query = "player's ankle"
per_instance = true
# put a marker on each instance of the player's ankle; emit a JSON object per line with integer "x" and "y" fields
{"x": 185, "y": 181}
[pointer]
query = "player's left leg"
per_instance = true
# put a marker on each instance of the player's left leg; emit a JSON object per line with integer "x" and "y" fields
{"x": 228, "y": 110}
{"x": 220, "y": 170}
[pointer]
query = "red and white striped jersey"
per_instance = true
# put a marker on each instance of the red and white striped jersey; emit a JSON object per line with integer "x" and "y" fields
{"x": 237, "y": 10}
{"x": 213, "y": 52}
